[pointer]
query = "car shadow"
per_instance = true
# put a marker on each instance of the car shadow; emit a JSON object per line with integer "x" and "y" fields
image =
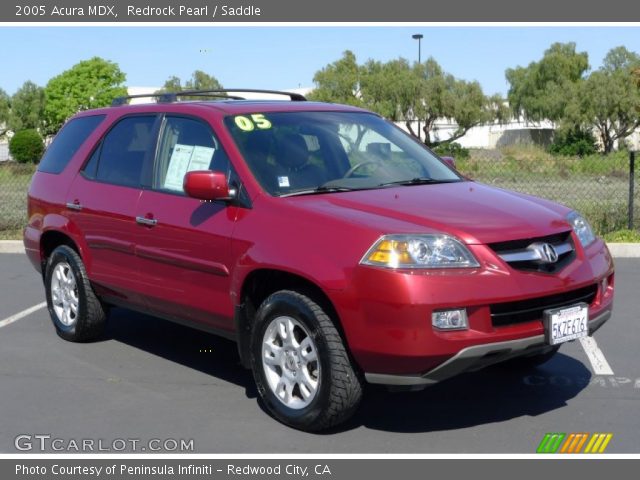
{"x": 494, "y": 394}
{"x": 205, "y": 352}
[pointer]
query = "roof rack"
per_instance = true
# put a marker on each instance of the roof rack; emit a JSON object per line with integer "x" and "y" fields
{"x": 170, "y": 97}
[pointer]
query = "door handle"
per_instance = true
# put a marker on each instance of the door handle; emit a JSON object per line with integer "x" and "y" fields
{"x": 75, "y": 205}
{"x": 149, "y": 222}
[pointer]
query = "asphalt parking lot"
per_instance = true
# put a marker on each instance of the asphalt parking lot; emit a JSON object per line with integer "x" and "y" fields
{"x": 150, "y": 379}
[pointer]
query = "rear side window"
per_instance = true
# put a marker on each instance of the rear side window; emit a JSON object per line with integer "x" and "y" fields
{"x": 120, "y": 157}
{"x": 67, "y": 142}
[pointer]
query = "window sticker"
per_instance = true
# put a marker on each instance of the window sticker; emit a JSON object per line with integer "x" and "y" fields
{"x": 186, "y": 158}
{"x": 283, "y": 182}
{"x": 248, "y": 124}
{"x": 201, "y": 158}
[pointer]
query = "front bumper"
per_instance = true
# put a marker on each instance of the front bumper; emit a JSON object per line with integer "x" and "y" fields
{"x": 478, "y": 357}
{"x": 386, "y": 315}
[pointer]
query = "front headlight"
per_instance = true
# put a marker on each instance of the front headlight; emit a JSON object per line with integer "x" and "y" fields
{"x": 419, "y": 251}
{"x": 582, "y": 228}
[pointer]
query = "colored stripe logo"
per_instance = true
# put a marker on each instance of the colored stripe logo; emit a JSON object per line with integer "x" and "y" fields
{"x": 574, "y": 443}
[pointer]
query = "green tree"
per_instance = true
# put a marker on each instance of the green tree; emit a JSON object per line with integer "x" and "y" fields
{"x": 4, "y": 112}
{"x": 609, "y": 99}
{"x": 173, "y": 84}
{"x": 199, "y": 81}
{"x": 544, "y": 89}
{"x": 619, "y": 58}
{"x": 27, "y": 108}
{"x": 635, "y": 72}
{"x": 434, "y": 98}
{"x": 89, "y": 84}
{"x": 338, "y": 82}
{"x": 390, "y": 89}
{"x": 26, "y": 146}
{"x": 573, "y": 141}
{"x": 386, "y": 88}
{"x": 202, "y": 81}
{"x": 441, "y": 95}
{"x": 402, "y": 92}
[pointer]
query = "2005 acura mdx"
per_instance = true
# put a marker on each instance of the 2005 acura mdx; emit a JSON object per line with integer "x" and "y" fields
{"x": 331, "y": 246}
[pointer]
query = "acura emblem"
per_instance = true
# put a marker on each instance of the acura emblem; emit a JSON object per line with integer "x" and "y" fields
{"x": 545, "y": 252}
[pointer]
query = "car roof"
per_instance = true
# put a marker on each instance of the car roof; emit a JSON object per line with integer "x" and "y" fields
{"x": 229, "y": 107}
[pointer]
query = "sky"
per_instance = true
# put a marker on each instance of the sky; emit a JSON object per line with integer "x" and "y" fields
{"x": 288, "y": 57}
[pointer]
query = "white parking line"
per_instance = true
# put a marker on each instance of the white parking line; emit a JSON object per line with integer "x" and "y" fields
{"x": 598, "y": 362}
{"x": 22, "y": 314}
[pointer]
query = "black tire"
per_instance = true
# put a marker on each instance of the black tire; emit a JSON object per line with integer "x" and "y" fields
{"x": 90, "y": 319}
{"x": 533, "y": 361}
{"x": 339, "y": 387}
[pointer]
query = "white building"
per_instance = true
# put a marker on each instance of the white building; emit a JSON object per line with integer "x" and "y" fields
{"x": 493, "y": 135}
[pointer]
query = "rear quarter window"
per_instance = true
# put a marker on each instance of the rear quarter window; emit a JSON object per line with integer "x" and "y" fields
{"x": 120, "y": 156}
{"x": 67, "y": 142}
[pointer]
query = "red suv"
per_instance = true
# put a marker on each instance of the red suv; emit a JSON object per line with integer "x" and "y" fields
{"x": 330, "y": 245}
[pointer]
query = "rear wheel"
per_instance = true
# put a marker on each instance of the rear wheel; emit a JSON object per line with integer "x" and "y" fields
{"x": 300, "y": 365}
{"x": 75, "y": 310}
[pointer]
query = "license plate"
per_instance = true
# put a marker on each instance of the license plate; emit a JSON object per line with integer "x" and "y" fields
{"x": 566, "y": 324}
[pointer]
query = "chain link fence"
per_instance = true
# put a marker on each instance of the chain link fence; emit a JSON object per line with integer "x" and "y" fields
{"x": 600, "y": 187}
{"x": 14, "y": 182}
{"x": 597, "y": 186}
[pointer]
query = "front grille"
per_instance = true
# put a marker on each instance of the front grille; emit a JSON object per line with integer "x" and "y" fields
{"x": 562, "y": 241}
{"x": 500, "y": 247}
{"x": 531, "y": 309}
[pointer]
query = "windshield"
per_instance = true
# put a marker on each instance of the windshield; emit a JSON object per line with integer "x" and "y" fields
{"x": 314, "y": 152}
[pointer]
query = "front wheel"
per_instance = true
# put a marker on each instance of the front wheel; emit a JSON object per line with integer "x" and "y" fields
{"x": 300, "y": 364}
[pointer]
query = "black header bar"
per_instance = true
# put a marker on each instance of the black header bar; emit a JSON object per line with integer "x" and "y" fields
{"x": 298, "y": 11}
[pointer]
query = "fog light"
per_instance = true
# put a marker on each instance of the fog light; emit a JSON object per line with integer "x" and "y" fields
{"x": 450, "y": 319}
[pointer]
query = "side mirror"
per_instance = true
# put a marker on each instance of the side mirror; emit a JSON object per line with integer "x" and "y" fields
{"x": 207, "y": 185}
{"x": 450, "y": 161}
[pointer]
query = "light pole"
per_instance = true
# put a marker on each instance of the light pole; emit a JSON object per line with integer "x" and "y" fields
{"x": 419, "y": 37}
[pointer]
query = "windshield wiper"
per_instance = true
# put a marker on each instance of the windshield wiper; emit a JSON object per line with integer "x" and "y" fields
{"x": 335, "y": 188}
{"x": 318, "y": 190}
{"x": 417, "y": 181}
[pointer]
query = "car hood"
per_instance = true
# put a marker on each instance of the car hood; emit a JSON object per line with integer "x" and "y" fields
{"x": 473, "y": 212}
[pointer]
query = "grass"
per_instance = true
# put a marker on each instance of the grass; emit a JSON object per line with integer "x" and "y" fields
{"x": 14, "y": 182}
{"x": 533, "y": 160}
{"x": 11, "y": 234}
{"x": 623, "y": 236}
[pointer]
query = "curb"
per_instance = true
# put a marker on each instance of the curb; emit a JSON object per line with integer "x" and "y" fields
{"x": 624, "y": 250}
{"x": 618, "y": 250}
{"x": 11, "y": 246}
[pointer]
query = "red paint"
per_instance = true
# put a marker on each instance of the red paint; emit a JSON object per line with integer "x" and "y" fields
{"x": 206, "y": 185}
{"x": 193, "y": 263}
